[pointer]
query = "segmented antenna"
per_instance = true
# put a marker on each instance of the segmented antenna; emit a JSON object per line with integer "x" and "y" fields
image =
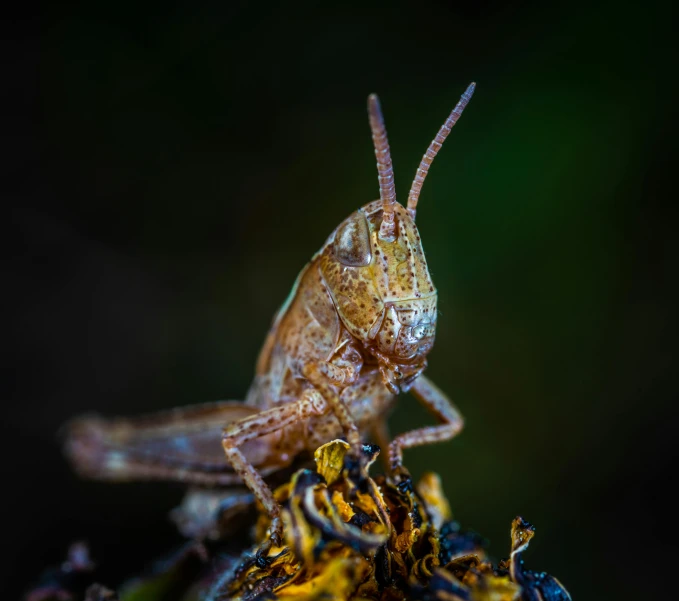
{"x": 434, "y": 147}
{"x": 385, "y": 170}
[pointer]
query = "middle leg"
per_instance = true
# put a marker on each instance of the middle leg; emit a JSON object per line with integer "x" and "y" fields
{"x": 442, "y": 407}
{"x": 261, "y": 424}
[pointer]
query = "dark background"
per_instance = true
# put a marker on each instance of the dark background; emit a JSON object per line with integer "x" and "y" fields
{"x": 169, "y": 170}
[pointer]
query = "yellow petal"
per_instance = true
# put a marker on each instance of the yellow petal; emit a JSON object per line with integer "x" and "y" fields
{"x": 330, "y": 460}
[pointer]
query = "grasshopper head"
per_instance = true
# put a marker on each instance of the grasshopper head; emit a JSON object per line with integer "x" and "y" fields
{"x": 376, "y": 272}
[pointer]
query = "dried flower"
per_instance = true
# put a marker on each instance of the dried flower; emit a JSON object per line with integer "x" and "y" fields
{"x": 347, "y": 537}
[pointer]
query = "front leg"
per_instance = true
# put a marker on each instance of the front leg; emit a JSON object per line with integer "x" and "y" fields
{"x": 326, "y": 378}
{"x": 331, "y": 377}
{"x": 441, "y": 406}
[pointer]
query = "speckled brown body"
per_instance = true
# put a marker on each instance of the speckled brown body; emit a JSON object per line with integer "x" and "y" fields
{"x": 383, "y": 303}
{"x": 355, "y": 331}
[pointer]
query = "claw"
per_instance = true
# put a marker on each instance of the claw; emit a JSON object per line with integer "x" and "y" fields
{"x": 261, "y": 561}
{"x": 261, "y": 557}
{"x": 401, "y": 476}
{"x": 405, "y": 486}
{"x": 404, "y": 482}
{"x": 276, "y": 530}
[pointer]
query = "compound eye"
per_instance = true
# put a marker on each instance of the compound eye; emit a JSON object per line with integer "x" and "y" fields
{"x": 352, "y": 242}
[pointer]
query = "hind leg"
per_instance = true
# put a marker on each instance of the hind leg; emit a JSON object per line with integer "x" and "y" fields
{"x": 180, "y": 444}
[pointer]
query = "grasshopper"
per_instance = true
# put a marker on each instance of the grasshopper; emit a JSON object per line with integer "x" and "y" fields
{"x": 354, "y": 332}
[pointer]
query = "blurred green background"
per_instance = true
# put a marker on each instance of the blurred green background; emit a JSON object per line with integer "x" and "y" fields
{"x": 171, "y": 169}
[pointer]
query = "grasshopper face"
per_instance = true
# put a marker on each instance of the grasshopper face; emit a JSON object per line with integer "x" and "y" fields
{"x": 375, "y": 269}
{"x": 383, "y": 291}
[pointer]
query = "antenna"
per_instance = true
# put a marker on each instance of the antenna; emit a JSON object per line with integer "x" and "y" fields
{"x": 385, "y": 170}
{"x": 434, "y": 147}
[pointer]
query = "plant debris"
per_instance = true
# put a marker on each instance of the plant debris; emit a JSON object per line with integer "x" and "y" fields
{"x": 346, "y": 537}
{"x": 374, "y": 540}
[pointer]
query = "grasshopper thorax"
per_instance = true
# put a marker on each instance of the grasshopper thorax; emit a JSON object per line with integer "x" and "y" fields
{"x": 375, "y": 269}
